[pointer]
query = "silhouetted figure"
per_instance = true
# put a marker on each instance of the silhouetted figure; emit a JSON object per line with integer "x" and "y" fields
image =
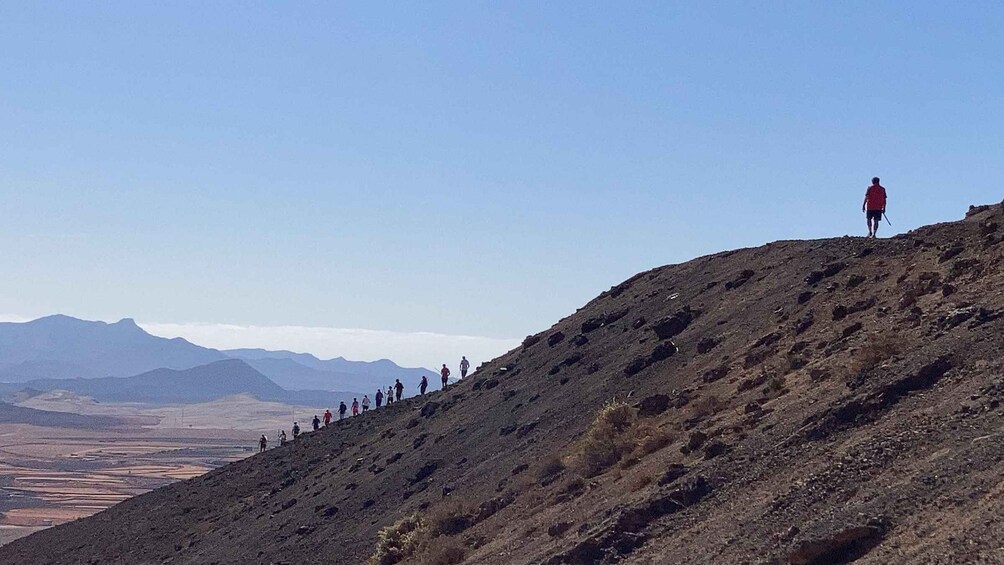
{"x": 423, "y": 385}
{"x": 282, "y": 437}
{"x": 874, "y": 206}
{"x": 262, "y": 443}
{"x": 445, "y": 373}
{"x": 296, "y": 430}
{"x": 355, "y": 407}
{"x": 379, "y": 397}
{"x": 366, "y": 403}
{"x": 398, "y": 388}
{"x": 316, "y": 423}
{"x": 342, "y": 409}
{"x": 327, "y": 417}
{"x": 390, "y": 395}
{"x": 464, "y": 366}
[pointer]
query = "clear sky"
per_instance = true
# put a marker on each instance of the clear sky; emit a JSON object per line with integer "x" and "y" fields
{"x": 471, "y": 169}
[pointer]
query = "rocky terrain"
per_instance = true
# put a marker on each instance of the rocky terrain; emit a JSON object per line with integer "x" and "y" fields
{"x": 804, "y": 402}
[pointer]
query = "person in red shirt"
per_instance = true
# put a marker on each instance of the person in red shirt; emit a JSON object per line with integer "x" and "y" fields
{"x": 327, "y": 418}
{"x": 874, "y": 206}
{"x": 445, "y": 373}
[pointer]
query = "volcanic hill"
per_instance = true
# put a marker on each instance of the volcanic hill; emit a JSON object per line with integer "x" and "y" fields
{"x": 804, "y": 402}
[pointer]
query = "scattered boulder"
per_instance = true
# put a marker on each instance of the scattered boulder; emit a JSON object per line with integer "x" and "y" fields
{"x": 429, "y": 409}
{"x": 740, "y": 280}
{"x": 806, "y": 296}
{"x": 530, "y": 341}
{"x": 712, "y": 375}
{"x": 555, "y": 339}
{"x": 653, "y": 405}
{"x": 839, "y": 312}
{"x": 639, "y": 323}
{"x": 854, "y": 281}
{"x": 671, "y": 326}
{"x": 844, "y": 546}
{"x": 664, "y": 350}
{"x": 580, "y": 340}
{"x": 673, "y": 472}
{"x": 591, "y": 324}
{"x": 707, "y": 344}
{"x": 951, "y": 253}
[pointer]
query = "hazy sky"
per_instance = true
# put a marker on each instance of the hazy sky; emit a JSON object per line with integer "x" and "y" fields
{"x": 464, "y": 168}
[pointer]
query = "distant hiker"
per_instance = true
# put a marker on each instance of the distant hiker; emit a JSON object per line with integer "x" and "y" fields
{"x": 327, "y": 417}
{"x": 262, "y": 443}
{"x": 296, "y": 430}
{"x": 390, "y": 395}
{"x": 379, "y": 397}
{"x": 342, "y": 409}
{"x": 445, "y": 373}
{"x": 355, "y": 407}
{"x": 464, "y": 365}
{"x": 423, "y": 385}
{"x": 398, "y": 388}
{"x": 874, "y": 206}
{"x": 316, "y": 422}
{"x": 366, "y": 403}
{"x": 282, "y": 437}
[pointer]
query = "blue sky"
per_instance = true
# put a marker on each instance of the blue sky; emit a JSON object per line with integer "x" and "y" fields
{"x": 475, "y": 169}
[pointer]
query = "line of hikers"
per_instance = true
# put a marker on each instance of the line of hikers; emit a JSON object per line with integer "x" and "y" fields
{"x": 394, "y": 393}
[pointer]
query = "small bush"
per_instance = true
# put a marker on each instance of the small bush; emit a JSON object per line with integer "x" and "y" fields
{"x": 549, "y": 469}
{"x": 444, "y": 551}
{"x": 449, "y": 520}
{"x": 608, "y": 438}
{"x": 708, "y": 406}
{"x": 878, "y": 348}
{"x": 399, "y": 541}
{"x": 650, "y": 438}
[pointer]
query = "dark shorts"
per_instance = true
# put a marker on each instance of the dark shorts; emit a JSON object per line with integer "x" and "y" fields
{"x": 875, "y": 215}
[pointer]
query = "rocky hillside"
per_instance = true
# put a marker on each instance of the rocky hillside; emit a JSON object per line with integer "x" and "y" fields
{"x": 805, "y": 402}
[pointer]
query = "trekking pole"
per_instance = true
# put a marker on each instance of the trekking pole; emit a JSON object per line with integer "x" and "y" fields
{"x": 886, "y": 219}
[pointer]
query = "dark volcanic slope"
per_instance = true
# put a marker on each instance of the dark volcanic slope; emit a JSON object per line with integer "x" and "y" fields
{"x": 831, "y": 401}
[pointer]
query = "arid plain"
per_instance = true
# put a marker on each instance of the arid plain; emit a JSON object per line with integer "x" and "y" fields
{"x": 50, "y": 475}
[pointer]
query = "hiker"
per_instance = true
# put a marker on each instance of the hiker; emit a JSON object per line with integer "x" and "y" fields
{"x": 342, "y": 409}
{"x": 366, "y": 402}
{"x": 390, "y": 395}
{"x": 445, "y": 373}
{"x": 327, "y": 417}
{"x": 296, "y": 430}
{"x": 399, "y": 388}
{"x": 262, "y": 443}
{"x": 355, "y": 407}
{"x": 316, "y": 422}
{"x": 379, "y": 397}
{"x": 874, "y": 206}
{"x": 464, "y": 365}
{"x": 423, "y": 385}
{"x": 282, "y": 437}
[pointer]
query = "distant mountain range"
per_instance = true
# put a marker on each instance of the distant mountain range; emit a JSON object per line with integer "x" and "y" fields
{"x": 62, "y": 347}
{"x": 170, "y": 386}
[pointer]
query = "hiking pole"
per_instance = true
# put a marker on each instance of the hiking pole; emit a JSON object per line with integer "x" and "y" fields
{"x": 886, "y": 219}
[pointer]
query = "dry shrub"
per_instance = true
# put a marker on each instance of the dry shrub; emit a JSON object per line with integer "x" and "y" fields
{"x": 399, "y": 541}
{"x": 444, "y": 551}
{"x": 608, "y": 439}
{"x": 650, "y": 438}
{"x": 878, "y": 348}
{"x": 449, "y": 519}
{"x": 549, "y": 469}
{"x": 643, "y": 482}
{"x": 707, "y": 406}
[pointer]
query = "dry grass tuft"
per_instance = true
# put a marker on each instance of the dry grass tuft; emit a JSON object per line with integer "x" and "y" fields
{"x": 399, "y": 541}
{"x": 608, "y": 439}
{"x": 878, "y": 348}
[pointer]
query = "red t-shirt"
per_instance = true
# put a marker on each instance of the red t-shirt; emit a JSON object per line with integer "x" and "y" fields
{"x": 875, "y": 197}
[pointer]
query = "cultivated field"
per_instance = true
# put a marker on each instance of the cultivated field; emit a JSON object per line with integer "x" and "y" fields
{"x": 53, "y": 475}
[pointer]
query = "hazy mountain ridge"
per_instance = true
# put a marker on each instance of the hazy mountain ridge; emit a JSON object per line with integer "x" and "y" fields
{"x": 63, "y": 347}
{"x": 198, "y": 384}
